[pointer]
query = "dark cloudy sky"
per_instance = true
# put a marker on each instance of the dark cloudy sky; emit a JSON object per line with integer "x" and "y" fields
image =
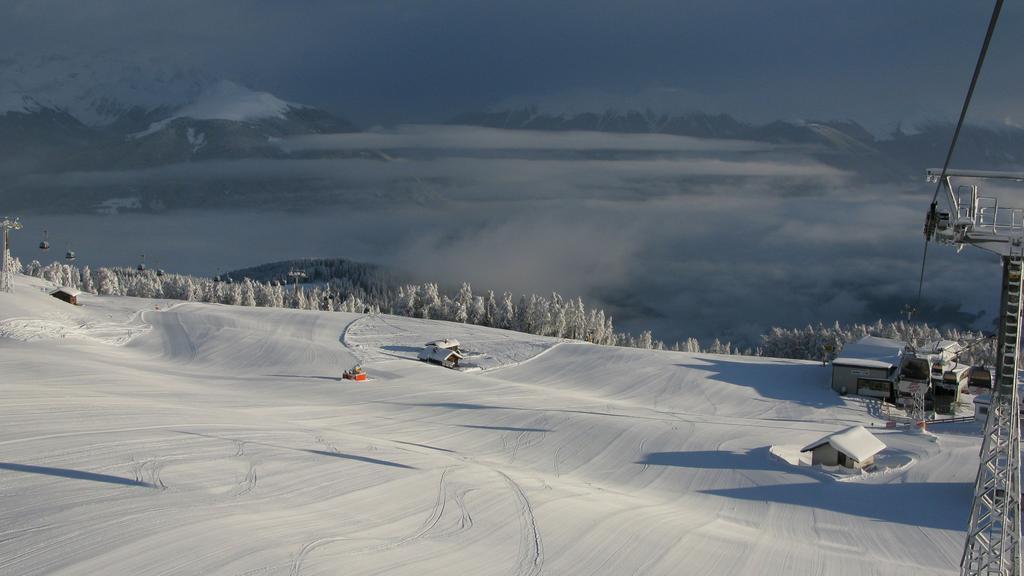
{"x": 388, "y": 61}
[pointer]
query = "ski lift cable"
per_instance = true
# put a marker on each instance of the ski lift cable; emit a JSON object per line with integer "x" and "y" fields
{"x": 956, "y": 136}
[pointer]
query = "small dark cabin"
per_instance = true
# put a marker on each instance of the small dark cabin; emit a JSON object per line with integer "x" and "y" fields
{"x": 69, "y": 295}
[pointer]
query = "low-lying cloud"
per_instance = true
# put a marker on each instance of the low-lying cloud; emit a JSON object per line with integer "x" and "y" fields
{"x": 445, "y": 137}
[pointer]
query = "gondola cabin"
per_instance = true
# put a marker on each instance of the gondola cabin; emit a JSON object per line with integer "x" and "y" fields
{"x": 914, "y": 381}
{"x": 948, "y": 376}
{"x": 980, "y": 378}
{"x": 69, "y": 295}
{"x": 947, "y": 390}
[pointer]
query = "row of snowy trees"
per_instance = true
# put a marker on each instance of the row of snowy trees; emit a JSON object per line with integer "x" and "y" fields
{"x": 555, "y": 316}
{"x": 150, "y": 284}
{"x": 816, "y": 342}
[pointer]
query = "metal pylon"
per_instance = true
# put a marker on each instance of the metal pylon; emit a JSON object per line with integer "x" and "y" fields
{"x": 6, "y": 270}
{"x": 993, "y": 537}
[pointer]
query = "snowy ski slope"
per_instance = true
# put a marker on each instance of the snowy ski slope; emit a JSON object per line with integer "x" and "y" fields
{"x": 208, "y": 439}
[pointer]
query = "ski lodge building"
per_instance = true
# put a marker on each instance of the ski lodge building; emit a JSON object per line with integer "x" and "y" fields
{"x": 854, "y": 448}
{"x": 869, "y": 367}
{"x": 69, "y": 295}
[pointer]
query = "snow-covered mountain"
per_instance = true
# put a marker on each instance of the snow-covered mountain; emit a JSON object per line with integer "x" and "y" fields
{"x": 225, "y": 100}
{"x": 96, "y": 90}
{"x": 845, "y": 144}
{"x": 60, "y": 113}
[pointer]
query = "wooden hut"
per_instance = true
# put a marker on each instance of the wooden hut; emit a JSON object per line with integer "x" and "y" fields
{"x": 69, "y": 295}
{"x": 854, "y": 447}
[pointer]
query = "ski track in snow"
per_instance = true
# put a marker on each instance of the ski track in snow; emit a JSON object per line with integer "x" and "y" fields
{"x": 445, "y": 495}
{"x": 112, "y": 333}
{"x": 531, "y": 550}
{"x": 221, "y": 440}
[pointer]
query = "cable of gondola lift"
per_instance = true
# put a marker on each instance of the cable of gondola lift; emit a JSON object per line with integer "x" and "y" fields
{"x": 932, "y": 218}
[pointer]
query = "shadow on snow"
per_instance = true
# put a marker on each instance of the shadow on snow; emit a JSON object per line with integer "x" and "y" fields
{"x": 366, "y": 459}
{"x": 940, "y": 505}
{"x": 503, "y": 428}
{"x": 74, "y": 474}
{"x": 301, "y": 377}
{"x": 330, "y": 453}
{"x": 396, "y": 348}
{"x": 757, "y": 459}
{"x": 799, "y": 383}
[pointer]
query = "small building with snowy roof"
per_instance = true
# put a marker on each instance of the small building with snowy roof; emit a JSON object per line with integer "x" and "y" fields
{"x": 869, "y": 367}
{"x": 854, "y": 447}
{"x": 446, "y": 344}
{"x": 983, "y": 403}
{"x": 446, "y": 357}
{"x": 69, "y": 295}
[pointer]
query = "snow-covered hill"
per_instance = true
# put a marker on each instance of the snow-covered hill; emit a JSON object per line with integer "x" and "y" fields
{"x": 219, "y": 440}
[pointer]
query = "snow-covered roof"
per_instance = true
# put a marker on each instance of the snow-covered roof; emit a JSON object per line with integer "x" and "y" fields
{"x": 941, "y": 345}
{"x": 856, "y": 442}
{"x": 438, "y": 354}
{"x": 942, "y": 351}
{"x": 871, "y": 352}
{"x": 446, "y": 343}
{"x": 68, "y": 291}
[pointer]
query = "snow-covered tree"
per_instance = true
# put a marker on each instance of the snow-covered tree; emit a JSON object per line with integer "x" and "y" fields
{"x": 87, "y": 283}
{"x": 646, "y": 341}
{"x": 491, "y": 314}
{"x": 248, "y": 292}
{"x": 476, "y": 314}
{"x": 109, "y": 284}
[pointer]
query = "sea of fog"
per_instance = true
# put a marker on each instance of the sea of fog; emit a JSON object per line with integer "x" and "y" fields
{"x": 683, "y": 236}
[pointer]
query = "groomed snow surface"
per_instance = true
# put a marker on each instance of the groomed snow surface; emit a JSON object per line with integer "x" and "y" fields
{"x": 208, "y": 439}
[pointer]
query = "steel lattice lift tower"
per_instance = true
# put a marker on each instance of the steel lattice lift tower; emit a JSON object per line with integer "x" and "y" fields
{"x": 6, "y": 273}
{"x": 993, "y": 543}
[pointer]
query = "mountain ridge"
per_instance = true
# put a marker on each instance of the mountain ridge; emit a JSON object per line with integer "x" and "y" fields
{"x": 842, "y": 143}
